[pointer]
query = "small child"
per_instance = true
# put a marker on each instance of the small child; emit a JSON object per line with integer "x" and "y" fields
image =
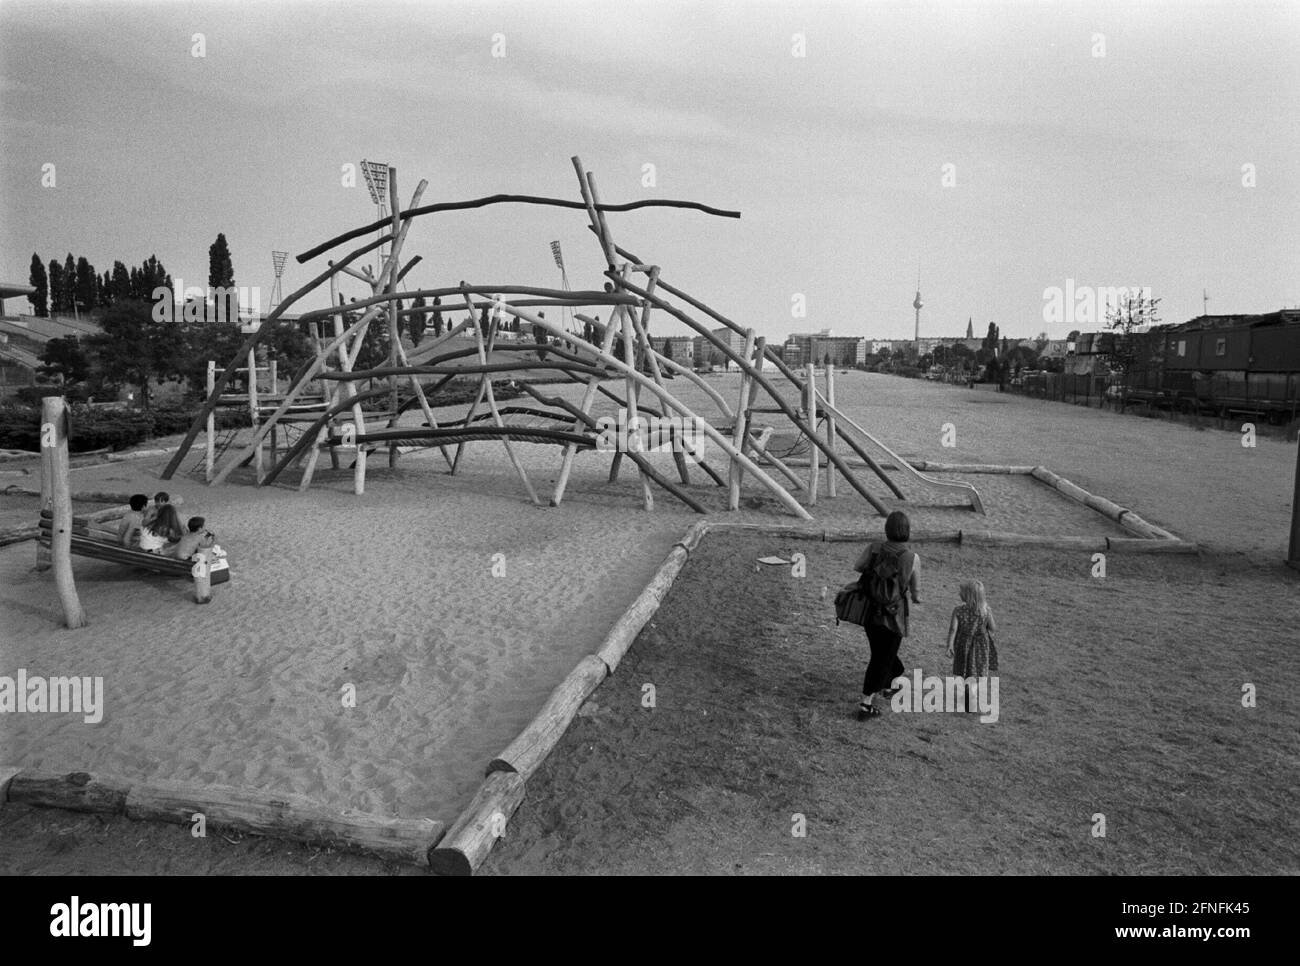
{"x": 159, "y": 500}
{"x": 196, "y": 539}
{"x": 970, "y": 634}
{"x": 132, "y": 523}
{"x": 165, "y": 529}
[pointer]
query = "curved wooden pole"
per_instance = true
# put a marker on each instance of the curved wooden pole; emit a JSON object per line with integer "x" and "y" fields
{"x": 513, "y": 200}
{"x": 784, "y": 369}
{"x": 559, "y": 295}
{"x": 641, "y": 462}
{"x": 789, "y": 502}
{"x": 704, "y": 386}
{"x": 755, "y": 374}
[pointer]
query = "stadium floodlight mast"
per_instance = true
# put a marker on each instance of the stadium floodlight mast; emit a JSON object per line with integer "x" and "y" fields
{"x": 277, "y": 294}
{"x": 376, "y": 175}
{"x": 566, "y": 311}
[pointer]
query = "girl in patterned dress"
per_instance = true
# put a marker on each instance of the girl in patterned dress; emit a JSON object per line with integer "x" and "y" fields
{"x": 970, "y": 635}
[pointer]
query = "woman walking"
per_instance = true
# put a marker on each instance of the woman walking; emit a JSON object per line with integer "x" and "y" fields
{"x": 889, "y": 571}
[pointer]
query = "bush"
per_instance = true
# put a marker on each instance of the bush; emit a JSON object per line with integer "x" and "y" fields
{"x": 32, "y": 395}
{"x": 94, "y": 428}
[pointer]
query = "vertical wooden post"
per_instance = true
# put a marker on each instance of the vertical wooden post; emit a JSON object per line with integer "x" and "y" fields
{"x": 54, "y": 438}
{"x": 210, "y": 456}
{"x": 394, "y": 330}
{"x": 253, "y": 410}
{"x": 830, "y": 428}
{"x": 633, "y": 411}
{"x": 814, "y": 456}
{"x": 738, "y": 429}
{"x": 1293, "y": 555}
{"x": 272, "y": 389}
{"x": 566, "y": 464}
{"x": 760, "y": 345}
{"x": 43, "y": 557}
{"x": 202, "y": 578}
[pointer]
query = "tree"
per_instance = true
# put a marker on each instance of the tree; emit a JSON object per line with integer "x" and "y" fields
{"x": 121, "y": 284}
{"x": 86, "y": 285}
{"x": 63, "y": 358}
{"x": 41, "y": 282}
{"x": 134, "y": 348}
{"x": 1073, "y": 336}
{"x": 668, "y": 348}
{"x": 221, "y": 270}
{"x": 437, "y": 315}
{"x": 68, "y": 281}
{"x": 56, "y": 287}
{"x": 991, "y": 339}
{"x": 1041, "y": 342}
{"x": 152, "y": 276}
{"x": 106, "y": 290}
{"x": 1125, "y": 320}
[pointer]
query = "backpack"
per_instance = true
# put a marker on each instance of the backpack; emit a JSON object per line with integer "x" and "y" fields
{"x": 883, "y": 583}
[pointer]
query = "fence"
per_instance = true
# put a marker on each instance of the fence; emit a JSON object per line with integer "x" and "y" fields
{"x": 1087, "y": 389}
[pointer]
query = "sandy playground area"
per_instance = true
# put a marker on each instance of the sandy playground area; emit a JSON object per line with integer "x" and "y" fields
{"x": 394, "y": 592}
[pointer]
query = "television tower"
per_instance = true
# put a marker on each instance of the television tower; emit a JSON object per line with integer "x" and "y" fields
{"x": 916, "y": 304}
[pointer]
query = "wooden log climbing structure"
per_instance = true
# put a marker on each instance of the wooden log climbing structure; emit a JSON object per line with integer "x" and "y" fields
{"x": 363, "y": 408}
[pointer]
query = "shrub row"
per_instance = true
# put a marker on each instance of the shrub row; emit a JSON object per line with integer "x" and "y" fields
{"x": 92, "y": 428}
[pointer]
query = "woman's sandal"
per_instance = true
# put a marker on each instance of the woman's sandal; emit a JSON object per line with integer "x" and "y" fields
{"x": 866, "y": 711}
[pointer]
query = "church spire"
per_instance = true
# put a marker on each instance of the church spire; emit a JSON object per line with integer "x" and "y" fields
{"x": 970, "y": 327}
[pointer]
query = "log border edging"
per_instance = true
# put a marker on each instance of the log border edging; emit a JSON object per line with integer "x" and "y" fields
{"x": 406, "y": 840}
{"x": 469, "y": 840}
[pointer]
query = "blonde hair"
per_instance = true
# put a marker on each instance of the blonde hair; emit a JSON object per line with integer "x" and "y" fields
{"x": 972, "y": 592}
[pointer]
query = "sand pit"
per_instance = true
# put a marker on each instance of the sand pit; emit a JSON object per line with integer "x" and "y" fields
{"x": 393, "y": 593}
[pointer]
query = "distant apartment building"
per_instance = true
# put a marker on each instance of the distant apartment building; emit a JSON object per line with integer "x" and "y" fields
{"x": 681, "y": 349}
{"x": 843, "y": 350}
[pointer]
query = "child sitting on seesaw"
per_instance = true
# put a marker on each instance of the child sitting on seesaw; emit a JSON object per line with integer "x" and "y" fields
{"x": 160, "y": 499}
{"x": 198, "y": 538}
{"x": 165, "y": 529}
{"x": 132, "y": 523}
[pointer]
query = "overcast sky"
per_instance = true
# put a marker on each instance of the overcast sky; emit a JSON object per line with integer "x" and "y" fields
{"x": 1122, "y": 169}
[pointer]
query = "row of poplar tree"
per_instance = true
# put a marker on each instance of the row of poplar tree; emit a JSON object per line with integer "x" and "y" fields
{"x": 74, "y": 285}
